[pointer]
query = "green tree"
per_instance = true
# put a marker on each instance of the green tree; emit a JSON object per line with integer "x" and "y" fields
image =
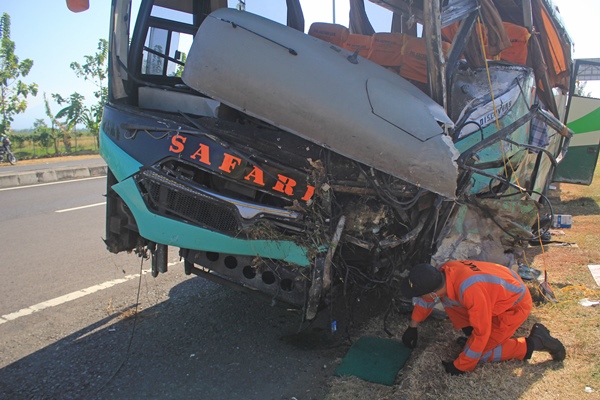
{"x": 46, "y": 135}
{"x": 13, "y": 92}
{"x": 580, "y": 89}
{"x": 73, "y": 113}
{"x": 62, "y": 128}
{"x": 45, "y": 140}
{"x": 19, "y": 140}
{"x": 94, "y": 69}
{"x": 34, "y": 138}
{"x": 179, "y": 70}
{"x": 92, "y": 118}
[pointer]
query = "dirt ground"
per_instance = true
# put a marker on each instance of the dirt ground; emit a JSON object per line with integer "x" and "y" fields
{"x": 52, "y": 159}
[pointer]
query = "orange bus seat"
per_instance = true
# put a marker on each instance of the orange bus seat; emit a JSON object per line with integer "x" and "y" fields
{"x": 332, "y": 33}
{"x": 386, "y": 49}
{"x": 414, "y": 59}
{"x": 450, "y": 31}
{"x": 362, "y": 43}
{"x": 519, "y": 38}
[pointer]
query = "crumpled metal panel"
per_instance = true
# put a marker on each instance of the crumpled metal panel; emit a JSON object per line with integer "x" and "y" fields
{"x": 484, "y": 230}
{"x": 310, "y": 88}
{"x": 515, "y": 217}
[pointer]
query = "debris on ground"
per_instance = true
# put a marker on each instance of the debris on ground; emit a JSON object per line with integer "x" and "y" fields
{"x": 528, "y": 273}
{"x": 589, "y": 303}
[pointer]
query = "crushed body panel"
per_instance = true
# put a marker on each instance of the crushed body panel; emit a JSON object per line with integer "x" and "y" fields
{"x": 359, "y": 110}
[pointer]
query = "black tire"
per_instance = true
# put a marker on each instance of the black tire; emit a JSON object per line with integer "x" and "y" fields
{"x": 11, "y": 158}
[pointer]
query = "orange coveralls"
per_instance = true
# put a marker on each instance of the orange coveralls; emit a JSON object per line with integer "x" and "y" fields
{"x": 493, "y": 300}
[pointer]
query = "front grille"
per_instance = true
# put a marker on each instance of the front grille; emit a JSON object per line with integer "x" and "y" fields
{"x": 167, "y": 197}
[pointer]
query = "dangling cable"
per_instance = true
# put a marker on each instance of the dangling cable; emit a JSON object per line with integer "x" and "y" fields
{"x": 143, "y": 255}
{"x": 496, "y": 118}
{"x": 487, "y": 69}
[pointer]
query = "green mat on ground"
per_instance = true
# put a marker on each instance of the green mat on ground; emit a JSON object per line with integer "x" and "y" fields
{"x": 374, "y": 360}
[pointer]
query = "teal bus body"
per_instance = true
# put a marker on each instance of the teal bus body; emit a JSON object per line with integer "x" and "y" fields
{"x": 179, "y": 234}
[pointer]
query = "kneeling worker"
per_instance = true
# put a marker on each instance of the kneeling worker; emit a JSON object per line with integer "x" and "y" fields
{"x": 488, "y": 301}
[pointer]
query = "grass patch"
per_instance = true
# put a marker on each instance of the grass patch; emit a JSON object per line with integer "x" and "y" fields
{"x": 86, "y": 144}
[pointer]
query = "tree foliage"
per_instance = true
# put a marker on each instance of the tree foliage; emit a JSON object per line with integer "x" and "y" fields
{"x": 580, "y": 89}
{"x": 46, "y": 135}
{"x": 95, "y": 69}
{"x": 13, "y": 91}
{"x": 61, "y": 127}
{"x": 179, "y": 70}
{"x": 18, "y": 140}
{"x": 74, "y": 112}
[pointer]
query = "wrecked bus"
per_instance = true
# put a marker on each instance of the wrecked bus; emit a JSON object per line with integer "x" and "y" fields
{"x": 299, "y": 161}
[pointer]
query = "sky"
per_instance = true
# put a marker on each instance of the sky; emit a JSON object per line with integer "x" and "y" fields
{"x": 53, "y": 37}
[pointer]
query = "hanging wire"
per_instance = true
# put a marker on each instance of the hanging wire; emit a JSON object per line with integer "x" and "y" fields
{"x": 144, "y": 256}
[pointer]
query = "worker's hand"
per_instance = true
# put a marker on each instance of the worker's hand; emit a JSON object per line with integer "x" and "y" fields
{"x": 410, "y": 337}
{"x": 451, "y": 369}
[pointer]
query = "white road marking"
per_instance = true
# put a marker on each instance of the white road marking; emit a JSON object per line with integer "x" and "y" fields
{"x": 81, "y": 207}
{"x": 52, "y": 183}
{"x": 72, "y": 296}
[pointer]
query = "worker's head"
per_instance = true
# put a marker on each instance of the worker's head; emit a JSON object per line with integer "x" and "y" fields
{"x": 422, "y": 279}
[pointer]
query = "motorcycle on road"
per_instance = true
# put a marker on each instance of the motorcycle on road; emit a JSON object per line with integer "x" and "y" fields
{"x": 5, "y": 152}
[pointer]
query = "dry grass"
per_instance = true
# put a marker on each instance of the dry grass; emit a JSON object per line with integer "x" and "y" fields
{"x": 576, "y": 326}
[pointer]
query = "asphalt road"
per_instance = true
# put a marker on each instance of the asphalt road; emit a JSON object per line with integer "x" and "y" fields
{"x": 68, "y": 329}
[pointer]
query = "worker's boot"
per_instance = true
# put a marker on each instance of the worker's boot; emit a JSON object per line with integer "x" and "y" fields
{"x": 540, "y": 340}
{"x": 462, "y": 341}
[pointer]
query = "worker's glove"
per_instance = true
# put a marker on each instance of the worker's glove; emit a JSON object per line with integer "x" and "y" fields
{"x": 467, "y": 330}
{"x": 451, "y": 369}
{"x": 462, "y": 341}
{"x": 410, "y": 337}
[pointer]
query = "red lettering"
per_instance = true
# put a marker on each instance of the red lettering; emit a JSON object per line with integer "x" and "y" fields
{"x": 177, "y": 144}
{"x": 310, "y": 190}
{"x": 204, "y": 153}
{"x": 285, "y": 185}
{"x": 256, "y": 176}
{"x": 229, "y": 163}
